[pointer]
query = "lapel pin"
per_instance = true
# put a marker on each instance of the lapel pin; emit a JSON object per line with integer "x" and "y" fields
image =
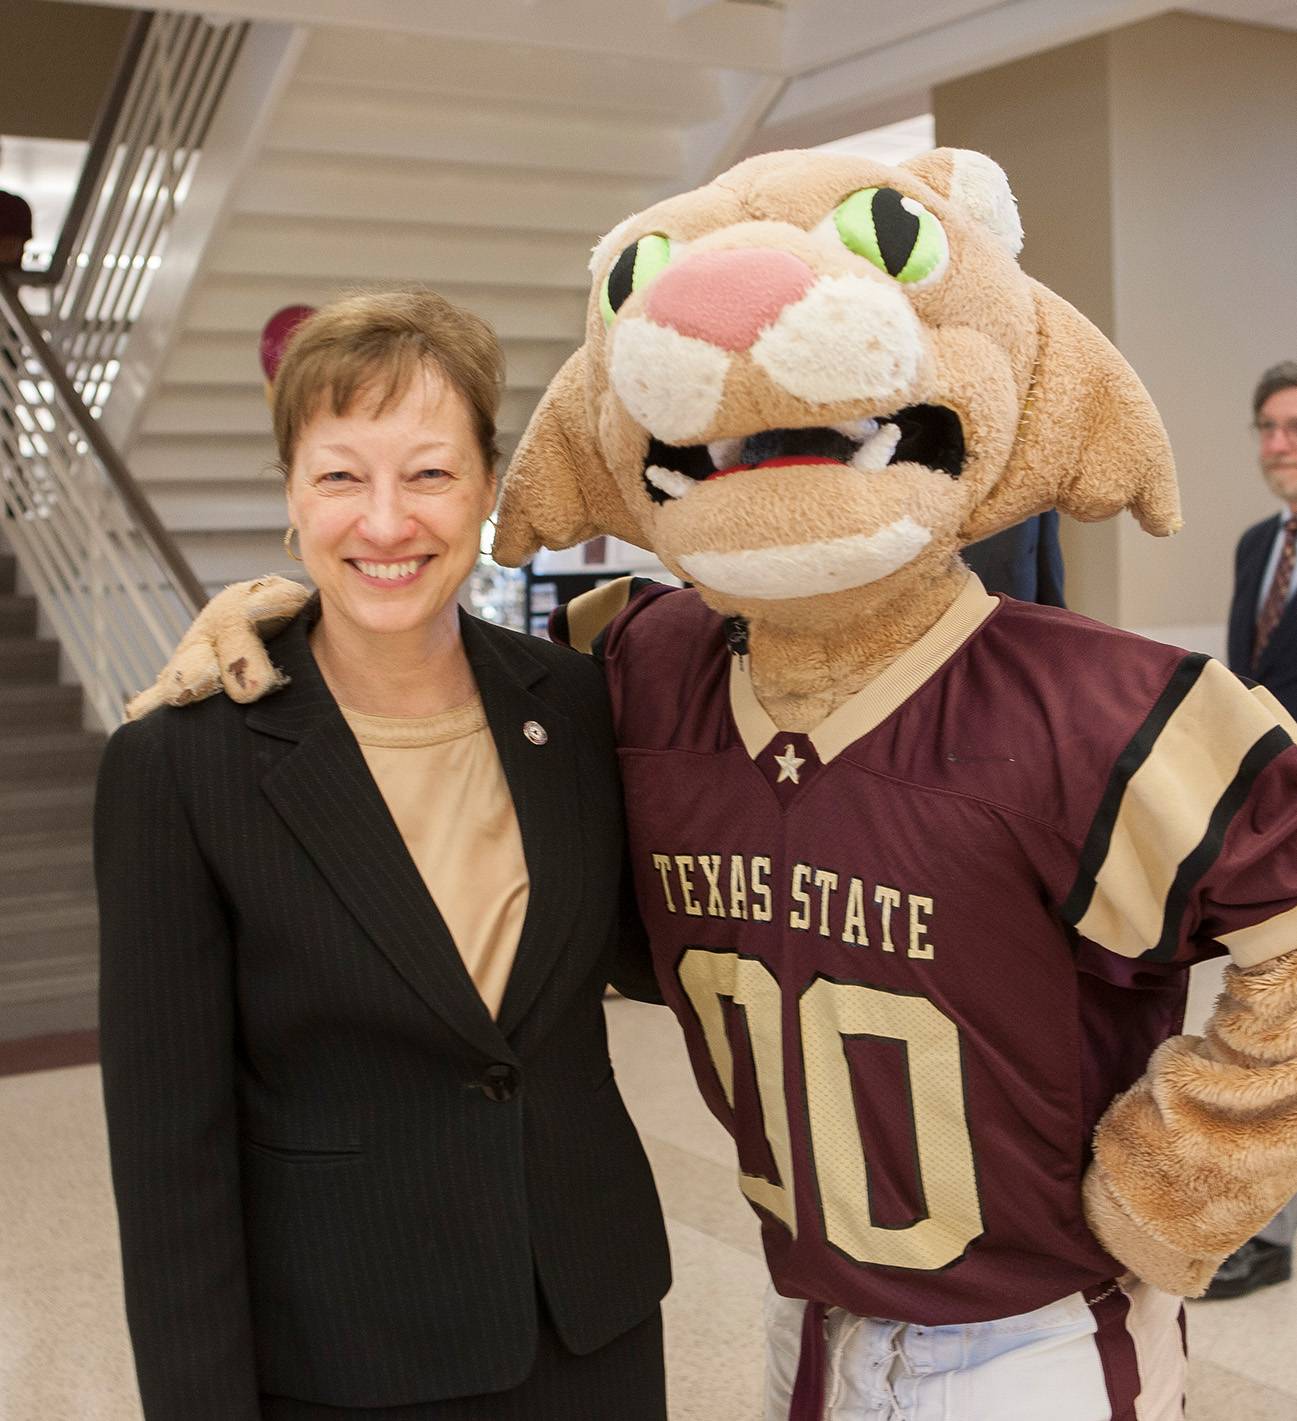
{"x": 535, "y": 732}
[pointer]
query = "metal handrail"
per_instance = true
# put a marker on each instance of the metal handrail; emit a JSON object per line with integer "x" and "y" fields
{"x": 89, "y": 429}
{"x": 96, "y": 159}
{"x": 110, "y": 578}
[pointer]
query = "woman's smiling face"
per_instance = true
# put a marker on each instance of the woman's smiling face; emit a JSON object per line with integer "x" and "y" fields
{"x": 390, "y": 506}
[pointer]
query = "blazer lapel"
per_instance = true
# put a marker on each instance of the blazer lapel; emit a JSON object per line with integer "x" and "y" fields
{"x": 323, "y": 791}
{"x": 543, "y": 780}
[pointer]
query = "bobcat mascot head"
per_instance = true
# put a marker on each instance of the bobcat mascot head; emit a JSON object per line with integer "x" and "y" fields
{"x": 806, "y": 385}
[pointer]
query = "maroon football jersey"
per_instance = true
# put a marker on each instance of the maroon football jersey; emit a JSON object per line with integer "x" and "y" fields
{"x": 917, "y": 952}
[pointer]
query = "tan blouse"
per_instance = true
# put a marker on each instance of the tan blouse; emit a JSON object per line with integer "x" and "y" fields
{"x": 444, "y": 786}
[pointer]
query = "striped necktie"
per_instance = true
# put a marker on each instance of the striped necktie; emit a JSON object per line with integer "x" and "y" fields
{"x": 1276, "y": 599}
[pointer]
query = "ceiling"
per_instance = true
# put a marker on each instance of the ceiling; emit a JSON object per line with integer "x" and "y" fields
{"x": 816, "y": 68}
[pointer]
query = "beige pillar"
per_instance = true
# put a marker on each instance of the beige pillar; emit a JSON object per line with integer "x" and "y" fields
{"x": 1154, "y": 170}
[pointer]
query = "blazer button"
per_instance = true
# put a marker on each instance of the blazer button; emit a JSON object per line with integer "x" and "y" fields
{"x": 500, "y": 1082}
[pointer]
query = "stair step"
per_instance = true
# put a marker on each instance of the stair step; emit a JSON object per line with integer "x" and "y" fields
{"x": 221, "y": 361}
{"x": 471, "y": 69}
{"x": 375, "y": 123}
{"x": 47, "y": 707}
{"x": 52, "y": 862}
{"x": 360, "y": 188}
{"x": 49, "y": 970}
{"x": 49, "y": 926}
{"x": 49, "y": 757}
{"x": 25, "y": 659}
{"x": 53, "y": 992}
{"x": 35, "y": 809}
{"x": 17, "y": 615}
{"x": 225, "y": 411}
{"x": 8, "y": 572}
{"x": 316, "y": 250}
{"x": 239, "y": 302}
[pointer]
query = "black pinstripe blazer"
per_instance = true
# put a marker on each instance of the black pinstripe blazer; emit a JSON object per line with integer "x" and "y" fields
{"x": 337, "y": 1177}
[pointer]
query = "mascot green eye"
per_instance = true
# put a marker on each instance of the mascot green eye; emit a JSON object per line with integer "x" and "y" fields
{"x": 899, "y": 235}
{"x": 632, "y": 271}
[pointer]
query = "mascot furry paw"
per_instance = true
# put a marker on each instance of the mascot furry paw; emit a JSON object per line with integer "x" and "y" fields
{"x": 923, "y": 868}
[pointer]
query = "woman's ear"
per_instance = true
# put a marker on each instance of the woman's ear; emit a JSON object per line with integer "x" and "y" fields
{"x": 557, "y": 489}
{"x": 1089, "y": 441}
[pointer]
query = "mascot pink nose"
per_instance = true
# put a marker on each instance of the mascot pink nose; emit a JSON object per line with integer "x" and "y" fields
{"x": 728, "y": 298}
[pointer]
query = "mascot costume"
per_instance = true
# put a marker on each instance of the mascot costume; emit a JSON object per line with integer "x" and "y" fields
{"x": 922, "y": 868}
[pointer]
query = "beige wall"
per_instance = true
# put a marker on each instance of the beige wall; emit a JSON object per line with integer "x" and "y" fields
{"x": 1154, "y": 167}
{"x": 56, "y": 62}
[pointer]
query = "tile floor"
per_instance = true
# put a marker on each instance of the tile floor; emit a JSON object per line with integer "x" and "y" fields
{"x": 64, "y": 1355}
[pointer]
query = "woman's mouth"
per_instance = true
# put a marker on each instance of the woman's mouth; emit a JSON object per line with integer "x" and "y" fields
{"x": 390, "y": 574}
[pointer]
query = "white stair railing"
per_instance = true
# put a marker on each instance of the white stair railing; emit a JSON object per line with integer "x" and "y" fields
{"x": 110, "y": 580}
{"x": 116, "y": 591}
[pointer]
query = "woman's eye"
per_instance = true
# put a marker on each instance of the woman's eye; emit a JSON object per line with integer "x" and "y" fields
{"x": 897, "y": 233}
{"x": 632, "y": 271}
{"x": 336, "y": 476}
{"x": 433, "y": 475}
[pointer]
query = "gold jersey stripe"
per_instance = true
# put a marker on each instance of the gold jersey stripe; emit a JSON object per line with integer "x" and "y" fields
{"x": 590, "y": 613}
{"x": 1167, "y": 809}
{"x": 887, "y": 692}
{"x": 1277, "y": 710}
{"x": 1262, "y": 941}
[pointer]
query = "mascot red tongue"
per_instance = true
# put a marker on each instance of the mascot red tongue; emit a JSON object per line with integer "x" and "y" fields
{"x": 869, "y": 802}
{"x": 923, "y": 869}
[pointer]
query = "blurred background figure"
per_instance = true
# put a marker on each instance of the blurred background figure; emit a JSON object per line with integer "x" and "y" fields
{"x": 275, "y": 335}
{"x": 1025, "y": 561}
{"x": 15, "y": 229}
{"x": 1263, "y": 646}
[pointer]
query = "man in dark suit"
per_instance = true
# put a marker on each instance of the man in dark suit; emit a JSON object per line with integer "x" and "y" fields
{"x": 1263, "y": 646}
{"x": 1025, "y": 561}
{"x": 1263, "y": 618}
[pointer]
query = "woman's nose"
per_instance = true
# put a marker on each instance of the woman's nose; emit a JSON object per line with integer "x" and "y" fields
{"x": 387, "y": 519}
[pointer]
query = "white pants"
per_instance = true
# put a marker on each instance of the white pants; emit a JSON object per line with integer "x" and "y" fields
{"x": 1120, "y": 1359}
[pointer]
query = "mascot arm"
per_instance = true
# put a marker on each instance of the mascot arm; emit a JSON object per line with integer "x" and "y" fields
{"x": 224, "y": 650}
{"x": 1202, "y": 1150}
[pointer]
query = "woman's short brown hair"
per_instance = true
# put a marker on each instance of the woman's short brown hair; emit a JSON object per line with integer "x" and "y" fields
{"x": 374, "y": 344}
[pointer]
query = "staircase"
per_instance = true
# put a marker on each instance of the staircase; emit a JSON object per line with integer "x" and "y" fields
{"x": 484, "y": 170}
{"x": 48, "y": 924}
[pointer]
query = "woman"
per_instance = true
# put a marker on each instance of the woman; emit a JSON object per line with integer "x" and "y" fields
{"x": 369, "y": 1157}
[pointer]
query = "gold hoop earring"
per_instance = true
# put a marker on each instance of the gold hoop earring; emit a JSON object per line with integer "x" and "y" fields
{"x": 288, "y": 543}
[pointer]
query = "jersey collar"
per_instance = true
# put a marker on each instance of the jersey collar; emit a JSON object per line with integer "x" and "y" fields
{"x": 872, "y": 704}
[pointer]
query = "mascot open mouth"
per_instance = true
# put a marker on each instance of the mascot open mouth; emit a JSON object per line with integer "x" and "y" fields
{"x": 931, "y": 435}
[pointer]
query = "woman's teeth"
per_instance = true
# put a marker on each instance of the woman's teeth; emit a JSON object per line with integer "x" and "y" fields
{"x": 390, "y": 571}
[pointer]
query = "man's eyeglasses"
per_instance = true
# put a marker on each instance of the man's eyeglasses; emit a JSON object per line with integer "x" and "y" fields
{"x": 1267, "y": 428}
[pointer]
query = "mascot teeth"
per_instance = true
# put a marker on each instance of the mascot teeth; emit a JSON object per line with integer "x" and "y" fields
{"x": 725, "y": 452}
{"x": 670, "y": 481}
{"x": 876, "y": 452}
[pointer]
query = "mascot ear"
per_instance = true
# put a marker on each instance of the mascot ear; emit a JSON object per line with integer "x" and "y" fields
{"x": 557, "y": 489}
{"x": 1089, "y": 441}
{"x": 975, "y": 184}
